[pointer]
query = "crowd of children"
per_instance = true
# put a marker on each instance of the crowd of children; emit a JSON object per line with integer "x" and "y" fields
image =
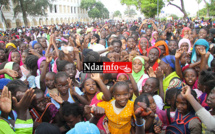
{"x": 171, "y": 88}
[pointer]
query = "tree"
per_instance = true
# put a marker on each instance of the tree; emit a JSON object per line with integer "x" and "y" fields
{"x": 147, "y": 7}
{"x": 117, "y": 14}
{"x": 4, "y": 4}
{"x": 175, "y": 17}
{"x": 31, "y": 7}
{"x": 181, "y": 8}
{"x": 95, "y": 9}
{"x": 130, "y": 12}
{"x": 202, "y": 12}
{"x": 198, "y": 1}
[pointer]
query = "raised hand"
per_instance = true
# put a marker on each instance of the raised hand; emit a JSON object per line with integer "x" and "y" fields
{"x": 95, "y": 76}
{"x": 142, "y": 110}
{"x": 48, "y": 58}
{"x": 110, "y": 48}
{"x": 159, "y": 73}
{"x": 87, "y": 109}
{"x": 186, "y": 91}
{"x": 76, "y": 50}
{"x": 151, "y": 72}
{"x": 11, "y": 73}
{"x": 98, "y": 111}
{"x": 65, "y": 51}
{"x": 157, "y": 129}
{"x": 178, "y": 53}
{"x": 57, "y": 98}
{"x": 5, "y": 100}
{"x": 201, "y": 50}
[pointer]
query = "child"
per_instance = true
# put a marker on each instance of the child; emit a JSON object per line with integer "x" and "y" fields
{"x": 143, "y": 46}
{"x": 185, "y": 45}
{"x": 153, "y": 54}
{"x": 154, "y": 38}
{"x": 122, "y": 77}
{"x": 185, "y": 119}
{"x": 120, "y": 110}
{"x": 207, "y": 118}
{"x": 24, "y": 69}
{"x": 203, "y": 33}
{"x": 172, "y": 47}
{"x": 2, "y": 56}
{"x": 23, "y": 47}
{"x": 15, "y": 56}
{"x": 111, "y": 56}
{"x": 13, "y": 66}
{"x": 130, "y": 44}
{"x": 163, "y": 48}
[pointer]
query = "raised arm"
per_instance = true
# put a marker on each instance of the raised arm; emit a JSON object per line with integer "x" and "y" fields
{"x": 141, "y": 26}
{"x": 134, "y": 84}
{"x": 159, "y": 75}
{"x": 177, "y": 64}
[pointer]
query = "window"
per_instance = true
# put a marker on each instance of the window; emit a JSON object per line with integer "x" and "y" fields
{"x": 74, "y": 9}
{"x": 55, "y": 8}
{"x": 71, "y": 10}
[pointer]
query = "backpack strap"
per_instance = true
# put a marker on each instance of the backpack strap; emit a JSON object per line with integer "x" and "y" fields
{"x": 168, "y": 115}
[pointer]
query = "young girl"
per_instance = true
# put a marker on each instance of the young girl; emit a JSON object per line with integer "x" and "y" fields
{"x": 130, "y": 44}
{"x": 2, "y": 55}
{"x": 203, "y": 33}
{"x": 111, "y": 56}
{"x": 153, "y": 54}
{"x": 185, "y": 45}
{"x": 15, "y": 56}
{"x": 172, "y": 47}
{"x": 185, "y": 119}
{"x": 13, "y": 66}
{"x": 207, "y": 118}
{"x": 138, "y": 72}
{"x": 24, "y": 69}
{"x": 122, "y": 77}
{"x": 120, "y": 110}
{"x": 163, "y": 48}
{"x": 154, "y": 38}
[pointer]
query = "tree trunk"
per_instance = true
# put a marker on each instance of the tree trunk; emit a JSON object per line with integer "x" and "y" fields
{"x": 2, "y": 14}
{"x": 24, "y": 14}
{"x": 207, "y": 8}
{"x": 182, "y": 9}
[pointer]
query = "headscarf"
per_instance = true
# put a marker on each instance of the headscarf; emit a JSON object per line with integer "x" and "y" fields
{"x": 126, "y": 33}
{"x": 33, "y": 43}
{"x": 175, "y": 83}
{"x": 202, "y": 42}
{"x": 163, "y": 43}
{"x": 122, "y": 74}
{"x": 2, "y": 42}
{"x": 140, "y": 49}
{"x": 185, "y": 28}
{"x": 40, "y": 61}
{"x": 84, "y": 128}
{"x": 10, "y": 59}
{"x": 138, "y": 75}
{"x": 153, "y": 40}
{"x": 10, "y": 44}
{"x": 8, "y": 65}
{"x": 169, "y": 59}
{"x": 159, "y": 51}
{"x": 184, "y": 40}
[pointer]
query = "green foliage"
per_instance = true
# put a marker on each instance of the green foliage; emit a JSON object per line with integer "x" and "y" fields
{"x": 148, "y": 7}
{"x": 175, "y": 17}
{"x": 95, "y": 9}
{"x": 117, "y": 14}
{"x": 5, "y": 3}
{"x": 203, "y": 11}
{"x": 130, "y": 12}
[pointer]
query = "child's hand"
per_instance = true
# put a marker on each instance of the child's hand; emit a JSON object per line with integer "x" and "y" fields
{"x": 110, "y": 48}
{"x": 65, "y": 51}
{"x": 201, "y": 50}
{"x": 157, "y": 129}
{"x": 25, "y": 102}
{"x": 178, "y": 53}
{"x": 151, "y": 72}
{"x": 98, "y": 111}
{"x": 95, "y": 76}
{"x": 11, "y": 73}
{"x": 87, "y": 109}
{"x": 76, "y": 50}
{"x": 125, "y": 58}
{"x": 142, "y": 110}
{"x": 159, "y": 73}
{"x": 186, "y": 91}
{"x": 70, "y": 83}
{"x": 48, "y": 58}
{"x": 5, "y": 100}
{"x": 57, "y": 98}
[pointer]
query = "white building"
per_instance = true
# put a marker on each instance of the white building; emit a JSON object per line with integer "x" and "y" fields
{"x": 63, "y": 11}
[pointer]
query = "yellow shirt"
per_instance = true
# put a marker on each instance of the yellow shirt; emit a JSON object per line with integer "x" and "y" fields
{"x": 118, "y": 123}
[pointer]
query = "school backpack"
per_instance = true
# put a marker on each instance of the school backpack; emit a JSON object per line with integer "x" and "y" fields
{"x": 180, "y": 125}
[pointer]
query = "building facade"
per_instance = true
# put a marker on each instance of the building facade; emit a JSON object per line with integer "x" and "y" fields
{"x": 63, "y": 11}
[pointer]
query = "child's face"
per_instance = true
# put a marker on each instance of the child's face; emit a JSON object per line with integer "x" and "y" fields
{"x": 49, "y": 81}
{"x": 148, "y": 32}
{"x": 202, "y": 34}
{"x": 143, "y": 44}
{"x": 184, "y": 46}
{"x": 152, "y": 104}
{"x": 62, "y": 85}
{"x": 211, "y": 99}
{"x": 70, "y": 70}
{"x": 183, "y": 59}
{"x": 131, "y": 43}
{"x": 40, "y": 102}
{"x": 71, "y": 120}
{"x": 24, "y": 55}
{"x": 163, "y": 36}
{"x": 43, "y": 43}
{"x": 150, "y": 86}
{"x": 116, "y": 47}
{"x": 194, "y": 35}
{"x": 190, "y": 77}
{"x": 172, "y": 46}
{"x": 153, "y": 55}
{"x": 16, "y": 68}
{"x": 121, "y": 94}
{"x": 2, "y": 54}
{"x": 15, "y": 57}
{"x": 137, "y": 65}
{"x": 123, "y": 53}
{"x": 199, "y": 47}
{"x": 155, "y": 36}
{"x": 181, "y": 105}
{"x": 23, "y": 47}
{"x": 163, "y": 50}
{"x": 42, "y": 65}
{"x": 122, "y": 77}
{"x": 111, "y": 57}
{"x": 90, "y": 86}
{"x": 38, "y": 48}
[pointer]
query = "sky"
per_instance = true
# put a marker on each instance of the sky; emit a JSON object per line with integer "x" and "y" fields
{"x": 191, "y": 7}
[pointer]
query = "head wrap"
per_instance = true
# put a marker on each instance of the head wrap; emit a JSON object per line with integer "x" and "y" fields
{"x": 169, "y": 59}
{"x": 2, "y": 42}
{"x": 33, "y": 43}
{"x": 40, "y": 61}
{"x": 159, "y": 51}
{"x": 140, "y": 49}
{"x": 4, "y": 82}
{"x": 10, "y": 44}
{"x": 201, "y": 42}
{"x": 126, "y": 33}
{"x": 8, "y": 65}
{"x": 153, "y": 40}
{"x": 122, "y": 74}
{"x": 175, "y": 83}
{"x": 138, "y": 75}
{"x": 185, "y": 28}
{"x": 163, "y": 43}
{"x": 184, "y": 40}
{"x": 84, "y": 128}
{"x": 10, "y": 58}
